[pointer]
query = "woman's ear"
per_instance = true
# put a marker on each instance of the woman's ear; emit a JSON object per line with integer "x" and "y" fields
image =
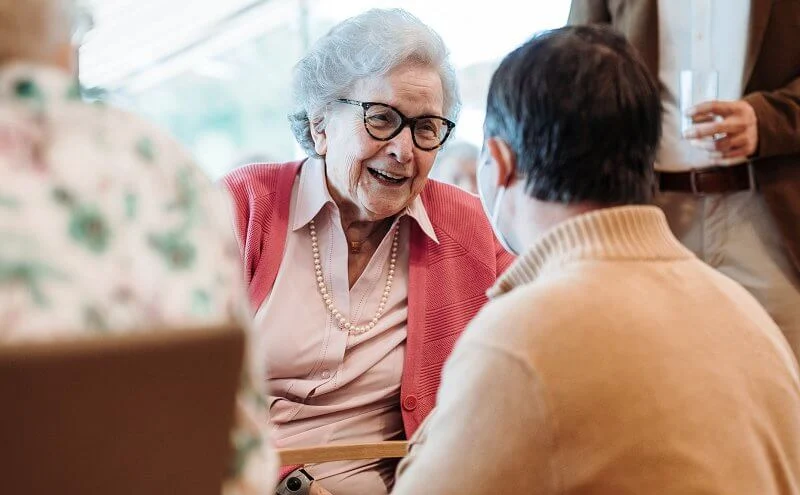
{"x": 317, "y": 128}
{"x": 505, "y": 159}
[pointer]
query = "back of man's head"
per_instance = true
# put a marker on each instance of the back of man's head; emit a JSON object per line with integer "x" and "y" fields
{"x": 581, "y": 113}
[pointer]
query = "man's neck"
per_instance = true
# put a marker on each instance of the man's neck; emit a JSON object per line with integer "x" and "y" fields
{"x": 537, "y": 217}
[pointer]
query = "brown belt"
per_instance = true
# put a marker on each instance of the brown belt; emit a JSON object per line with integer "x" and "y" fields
{"x": 713, "y": 180}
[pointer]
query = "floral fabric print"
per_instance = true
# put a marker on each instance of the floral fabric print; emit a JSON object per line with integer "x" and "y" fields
{"x": 107, "y": 226}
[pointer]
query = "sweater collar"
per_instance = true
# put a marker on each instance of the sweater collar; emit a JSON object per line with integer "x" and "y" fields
{"x": 626, "y": 233}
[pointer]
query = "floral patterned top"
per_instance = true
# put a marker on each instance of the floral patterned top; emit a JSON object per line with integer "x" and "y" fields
{"x": 107, "y": 226}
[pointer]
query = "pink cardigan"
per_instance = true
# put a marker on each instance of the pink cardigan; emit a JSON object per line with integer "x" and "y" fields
{"x": 447, "y": 281}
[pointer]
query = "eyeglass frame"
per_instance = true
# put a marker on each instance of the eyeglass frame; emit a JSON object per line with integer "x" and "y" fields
{"x": 410, "y": 122}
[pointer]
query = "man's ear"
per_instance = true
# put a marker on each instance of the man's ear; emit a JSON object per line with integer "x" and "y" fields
{"x": 505, "y": 159}
{"x": 317, "y": 128}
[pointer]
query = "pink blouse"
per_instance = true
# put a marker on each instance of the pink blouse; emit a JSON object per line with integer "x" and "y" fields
{"x": 329, "y": 386}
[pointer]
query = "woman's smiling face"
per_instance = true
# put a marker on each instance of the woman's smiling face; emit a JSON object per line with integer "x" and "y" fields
{"x": 379, "y": 179}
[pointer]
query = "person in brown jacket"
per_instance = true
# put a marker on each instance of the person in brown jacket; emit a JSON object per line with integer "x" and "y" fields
{"x": 736, "y": 205}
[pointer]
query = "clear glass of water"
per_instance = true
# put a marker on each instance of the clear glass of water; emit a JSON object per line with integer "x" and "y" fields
{"x": 696, "y": 86}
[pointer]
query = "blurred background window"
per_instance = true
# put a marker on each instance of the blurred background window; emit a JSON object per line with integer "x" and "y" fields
{"x": 216, "y": 74}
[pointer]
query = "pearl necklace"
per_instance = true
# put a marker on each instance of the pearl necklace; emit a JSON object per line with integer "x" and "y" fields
{"x": 345, "y": 325}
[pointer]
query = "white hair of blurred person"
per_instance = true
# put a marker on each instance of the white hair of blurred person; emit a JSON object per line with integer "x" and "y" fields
{"x": 457, "y": 164}
{"x": 39, "y": 31}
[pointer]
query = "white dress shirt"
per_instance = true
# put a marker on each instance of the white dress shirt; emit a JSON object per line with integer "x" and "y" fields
{"x": 700, "y": 35}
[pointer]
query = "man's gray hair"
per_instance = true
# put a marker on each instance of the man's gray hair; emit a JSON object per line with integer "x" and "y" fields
{"x": 371, "y": 44}
{"x": 34, "y": 29}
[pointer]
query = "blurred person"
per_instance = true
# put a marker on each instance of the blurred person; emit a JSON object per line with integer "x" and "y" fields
{"x": 106, "y": 225}
{"x": 736, "y": 203}
{"x": 610, "y": 360}
{"x": 362, "y": 272}
{"x": 457, "y": 164}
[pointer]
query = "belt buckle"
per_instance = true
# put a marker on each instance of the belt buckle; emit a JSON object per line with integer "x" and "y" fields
{"x": 693, "y": 182}
{"x": 751, "y": 177}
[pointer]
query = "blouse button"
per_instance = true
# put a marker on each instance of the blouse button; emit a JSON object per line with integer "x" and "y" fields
{"x": 326, "y": 374}
{"x": 410, "y": 403}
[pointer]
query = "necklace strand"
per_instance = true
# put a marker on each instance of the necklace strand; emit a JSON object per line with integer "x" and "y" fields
{"x": 341, "y": 321}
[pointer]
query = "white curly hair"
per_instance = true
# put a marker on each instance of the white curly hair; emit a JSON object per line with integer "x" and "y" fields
{"x": 371, "y": 44}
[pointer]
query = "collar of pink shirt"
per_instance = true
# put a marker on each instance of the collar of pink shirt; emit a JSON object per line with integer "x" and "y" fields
{"x": 313, "y": 195}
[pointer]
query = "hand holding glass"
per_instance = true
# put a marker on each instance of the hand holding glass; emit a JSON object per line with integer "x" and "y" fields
{"x": 697, "y": 86}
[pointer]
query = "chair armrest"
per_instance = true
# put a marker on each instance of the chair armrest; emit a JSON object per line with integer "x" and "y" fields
{"x": 328, "y": 453}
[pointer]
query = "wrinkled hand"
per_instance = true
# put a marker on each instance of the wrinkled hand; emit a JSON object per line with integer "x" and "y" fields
{"x": 317, "y": 489}
{"x": 735, "y": 136}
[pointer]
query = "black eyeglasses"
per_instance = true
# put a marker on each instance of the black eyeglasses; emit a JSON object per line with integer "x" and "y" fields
{"x": 384, "y": 122}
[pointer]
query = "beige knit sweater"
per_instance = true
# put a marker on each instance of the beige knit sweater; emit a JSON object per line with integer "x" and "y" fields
{"x": 612, "y": 361}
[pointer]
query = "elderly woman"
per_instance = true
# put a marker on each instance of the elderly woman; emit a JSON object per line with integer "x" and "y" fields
{"x": 107, "y": 227}
{"x": 362, "y": 273}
